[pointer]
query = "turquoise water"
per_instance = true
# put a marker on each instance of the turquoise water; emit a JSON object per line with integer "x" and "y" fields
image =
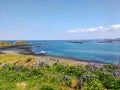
{"x": 92, "y": 51}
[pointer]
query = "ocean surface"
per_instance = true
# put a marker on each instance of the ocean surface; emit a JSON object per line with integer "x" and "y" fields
{"x": 89, "y": 51}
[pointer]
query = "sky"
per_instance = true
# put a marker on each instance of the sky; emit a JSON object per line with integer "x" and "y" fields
{"x": 59, "y": 19}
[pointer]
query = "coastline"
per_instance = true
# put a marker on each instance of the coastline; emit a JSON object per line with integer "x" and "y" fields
{"x": 49, "y": 58}
{"x": 76, "y": 59}
{"x": 25, "y": 50}
{"x": 62, "y": 59}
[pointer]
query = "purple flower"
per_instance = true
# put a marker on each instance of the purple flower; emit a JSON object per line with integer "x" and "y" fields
{"x": 99, "y": 67}
{"x": 119, "y": 63}
{"x": 117, "y": 74}
{"x": 91, "y": 68}
{"x": 87, "y": 76}
{"x": 65, "y": 77}
{"x": 77, "y": 79}
{"x": 41, "y": 64}
{"x": 16, "y": 69}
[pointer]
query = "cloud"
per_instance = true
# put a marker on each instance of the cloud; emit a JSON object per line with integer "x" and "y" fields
{"x": 115, "y": 26}
{"x": 99, "y": 28}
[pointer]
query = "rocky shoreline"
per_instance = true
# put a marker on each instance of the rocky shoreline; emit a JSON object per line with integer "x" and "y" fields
{"x": 26, "y": 50}
{"x": 18, "y": 49}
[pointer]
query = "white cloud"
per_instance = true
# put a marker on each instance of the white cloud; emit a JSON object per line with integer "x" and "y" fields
{"x": 115, "y": 26}
{"x": 99, "y": 28}
{"x": 73, "y": 31}
{"x": 91, "y": 29}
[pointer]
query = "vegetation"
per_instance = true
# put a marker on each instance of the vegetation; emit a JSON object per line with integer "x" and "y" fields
{"x": 57, "y": 76}
{"x": 20, "y": 42}
{"x": 4, "y": 43}
{"x": 16, "y": 58}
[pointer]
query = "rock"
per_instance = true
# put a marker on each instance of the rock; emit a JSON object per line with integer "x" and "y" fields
{"x": 28, "y": 60}
{"x": 43, "y": 53}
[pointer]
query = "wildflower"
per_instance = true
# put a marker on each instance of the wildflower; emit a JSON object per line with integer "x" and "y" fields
{"x": 77, "y": 79}
{"x": 41, "y": 64}
{"x": 119, "y": 63}
{"x": 91, "y": 68}
{"x": 79, "y": 82}
{"x": 89, "y": 63}
{"x": 99, "y": 67}
{"x": 87, "y": 76}
{"x": 117, "y": 74}
{"x": 16, "y": 69}
{"x": 65, "y": 77}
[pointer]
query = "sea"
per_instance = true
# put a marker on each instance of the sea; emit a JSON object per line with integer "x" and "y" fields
{"x": 88, "y": 51}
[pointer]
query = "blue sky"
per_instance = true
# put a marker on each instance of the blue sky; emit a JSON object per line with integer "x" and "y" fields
{"x": 59, "y": 19}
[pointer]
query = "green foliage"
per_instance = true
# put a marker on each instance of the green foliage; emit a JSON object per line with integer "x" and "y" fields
{"x": 2, "y": 43}
{"x": 57, "y": 77}
{"x": 109, "y": 81}
{"x": 20, "y": 42}
{"x": 46, "y": 87}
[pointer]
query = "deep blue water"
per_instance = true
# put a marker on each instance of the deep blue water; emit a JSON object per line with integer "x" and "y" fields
{"x": 101, "y": 52}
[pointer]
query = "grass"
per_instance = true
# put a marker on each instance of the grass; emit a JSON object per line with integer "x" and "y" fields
{"x": 18, "y": 42}
{"x": 57, "y": 76}
{"x": 16, "y": 58}
{"x": 5, "y": 43}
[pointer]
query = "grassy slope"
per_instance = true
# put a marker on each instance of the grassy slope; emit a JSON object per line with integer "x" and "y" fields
{"x": 57, "y": 76}
{"x": 5, "y": 43}
{"x": 16, "y": 58}
{"x": 18, "y": 42}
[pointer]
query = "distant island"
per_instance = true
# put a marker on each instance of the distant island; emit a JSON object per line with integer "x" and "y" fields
{"x": 109, "y": 40}
{"x": 95, "y": 40}
{"x": 80, "y": 41}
